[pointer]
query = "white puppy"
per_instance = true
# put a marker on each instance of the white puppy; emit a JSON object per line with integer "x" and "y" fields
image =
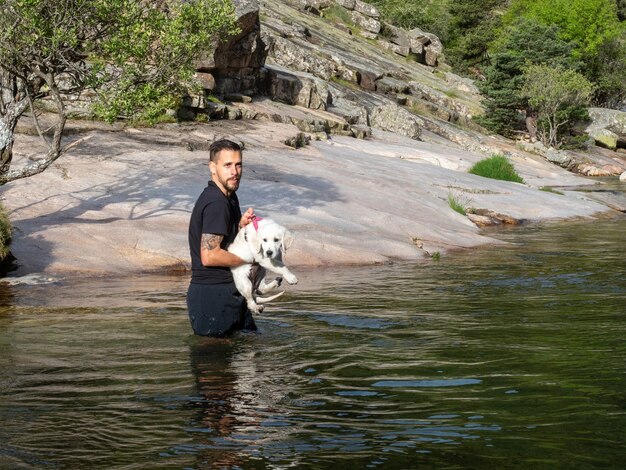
{"x": 262, "y": 242}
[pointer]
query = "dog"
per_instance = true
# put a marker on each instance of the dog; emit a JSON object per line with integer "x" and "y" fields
{"x": 261, "y": 244}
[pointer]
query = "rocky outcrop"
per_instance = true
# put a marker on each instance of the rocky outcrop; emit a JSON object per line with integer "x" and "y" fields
{"x": 607, "y": 128}
{"x": 236, "y": 63}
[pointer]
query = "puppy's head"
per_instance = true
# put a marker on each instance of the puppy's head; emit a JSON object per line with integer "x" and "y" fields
{"x": 273, "y": 239}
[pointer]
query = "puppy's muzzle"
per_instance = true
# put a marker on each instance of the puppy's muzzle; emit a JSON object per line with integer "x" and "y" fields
{"x": 269, "y": 253}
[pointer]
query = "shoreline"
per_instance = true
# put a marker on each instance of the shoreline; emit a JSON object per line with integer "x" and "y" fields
{"x": 119, "y": 202}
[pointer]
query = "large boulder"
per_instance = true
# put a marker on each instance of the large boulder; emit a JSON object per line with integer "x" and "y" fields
{"x": 426, "y": 46}
{"x": 367, "y": 23}
{"x": 366, "y": 9}
{"x": 297, "y": 88}
{"x": 608, "y": 127}
{"x": 393, "y": 118}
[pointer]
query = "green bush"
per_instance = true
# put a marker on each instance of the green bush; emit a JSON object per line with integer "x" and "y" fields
{"x": 5, "y": 233}
{"x": 496, "y": 167}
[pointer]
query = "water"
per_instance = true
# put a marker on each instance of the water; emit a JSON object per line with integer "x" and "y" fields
{"x": 508, "y": 357}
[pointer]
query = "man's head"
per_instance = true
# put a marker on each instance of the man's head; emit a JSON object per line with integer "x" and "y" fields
{"x": 225, "y": 165}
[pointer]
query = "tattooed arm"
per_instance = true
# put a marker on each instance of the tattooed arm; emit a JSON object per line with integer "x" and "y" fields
{"x": 212, "y": 254}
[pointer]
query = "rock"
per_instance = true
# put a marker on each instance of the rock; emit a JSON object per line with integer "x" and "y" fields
{"x": 367, "y": 79}
{"x": 608, "y": 127}
{"x": 288, "y": 54}
{"x": 387, "y": 85}
{"x": 589, "y": 169}
{"x": 426, "y": 46}
{"x": 238, "y": 98}
{"x": 297, "y": 88}
{"x": 297, "y": 141}
{"x": 361, "y": 131}
{"x": 393, "y": 118}
{"x": 347, "y": 4}
{"x": 366, "y": 9}
{"x": 559, "y": 157}
{"x": 368, "y": 35}
{"x": 396, "y": 35}
{"x": 483, "y": 220}
{"x": 236, "y": 62}
{"x": 365, "y": 22}
{"x": 315, "y": 6}
{"x": 622, "y": 177}
{"x": 400, "y": 50}
{"x": 497, "y": 218}
{"x": 206, "y": 80}
{"x": 604, "y": 137}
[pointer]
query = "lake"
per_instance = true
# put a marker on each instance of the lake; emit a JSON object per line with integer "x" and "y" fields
{"x": 510, "y": 356}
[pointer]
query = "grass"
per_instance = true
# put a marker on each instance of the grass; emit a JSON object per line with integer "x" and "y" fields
{"x": 338, "y": 14}
{"x": 496, "y": 167}
{"x": 5, "y": 233}
{"x": 457, "y": 203}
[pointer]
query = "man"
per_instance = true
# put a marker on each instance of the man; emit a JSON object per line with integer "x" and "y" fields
{"x": 214, "y": 305}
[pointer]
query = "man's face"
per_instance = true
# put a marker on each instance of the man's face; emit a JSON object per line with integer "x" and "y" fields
{"x": 226, "y": 171}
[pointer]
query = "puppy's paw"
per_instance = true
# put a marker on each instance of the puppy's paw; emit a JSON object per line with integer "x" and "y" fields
{"x": 291, "y": 279}
{"x": 254, "y": 307}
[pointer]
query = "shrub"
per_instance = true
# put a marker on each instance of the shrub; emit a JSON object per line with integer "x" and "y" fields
{"x": 5, "y": 233}
{"x": 496, "y": 167}
{"x": 456, "y": 204}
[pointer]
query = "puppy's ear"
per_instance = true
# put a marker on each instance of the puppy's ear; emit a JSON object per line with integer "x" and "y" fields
{"x": 254, "y": 239}
{"x": 287, "y": 240}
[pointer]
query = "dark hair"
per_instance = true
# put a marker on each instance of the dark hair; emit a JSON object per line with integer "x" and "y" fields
{"x": 222, "y": 144}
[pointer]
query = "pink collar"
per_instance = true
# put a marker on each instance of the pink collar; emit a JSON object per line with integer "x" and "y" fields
{"x": 255, "y": 222}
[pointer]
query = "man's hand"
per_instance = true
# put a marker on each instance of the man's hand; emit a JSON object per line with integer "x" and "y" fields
{"x": 247, "y": 217}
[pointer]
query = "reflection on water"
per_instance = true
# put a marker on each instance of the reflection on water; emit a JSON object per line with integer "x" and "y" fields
{"x": 503, "y": 358}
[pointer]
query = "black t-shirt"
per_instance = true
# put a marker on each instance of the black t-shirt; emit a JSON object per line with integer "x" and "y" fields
{"x": 216, "y": 214}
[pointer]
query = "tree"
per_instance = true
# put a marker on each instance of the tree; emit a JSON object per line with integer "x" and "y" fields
{"x": 474, "y": 25}
{"x": 556, "y": 94}
{"x": 136, "y": 55}
{"x": 525, "y": 42}
{"x": 588, "y": 23}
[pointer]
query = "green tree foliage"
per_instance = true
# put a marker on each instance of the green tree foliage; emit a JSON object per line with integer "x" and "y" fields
{"x": 136, "y": 55}
{"x": 525, "y": 42}
{"x": 432, "y": 15}
{"x": 607, "y": 69}
{"x": 589, "y": 23}
{"x": 557, "y": 95}
{"x": 474, "y": 24}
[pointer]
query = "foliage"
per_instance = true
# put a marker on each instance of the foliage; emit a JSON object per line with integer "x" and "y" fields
{"x": 136, "y": 56}
{"x": 524, "y": 42}
{"x": 457, "y": 204}
{"x": 606, "y": 69}
{"x": 5, "y": 233}
{"x": 558, "y": 95}
{"x": 473, "y": 27}
{"x": 589, "y": 23}
{"x": 496, "y": 167}
{"x": 432, "y": 16}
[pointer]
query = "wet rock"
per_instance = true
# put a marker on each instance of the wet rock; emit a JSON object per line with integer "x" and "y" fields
{"x": 489, "y": 217}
